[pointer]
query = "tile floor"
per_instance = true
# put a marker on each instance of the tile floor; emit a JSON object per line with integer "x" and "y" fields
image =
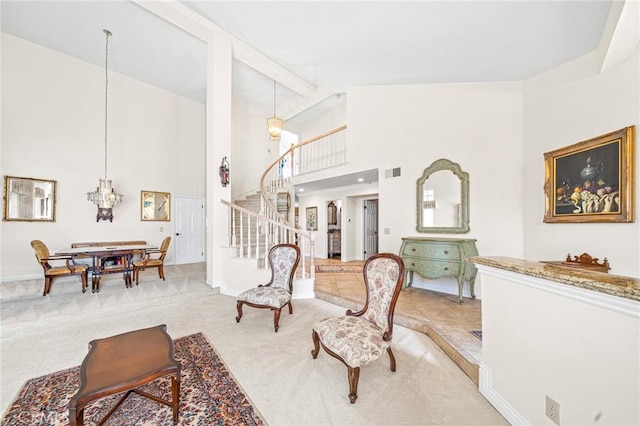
{"x": 439, "y": 315}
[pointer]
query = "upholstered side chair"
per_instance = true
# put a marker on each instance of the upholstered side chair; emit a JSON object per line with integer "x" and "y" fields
{"x": 152, "y": 259}
{"x": 276, "y": 294}
{"x": 69, "y": 268}
{"x": 359, "y": 338}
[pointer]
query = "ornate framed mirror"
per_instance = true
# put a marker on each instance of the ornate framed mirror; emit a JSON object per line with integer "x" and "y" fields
{"x": 442, "y": 194}
{"x": 155, "y": 206}
{"x": 29, "y": 200}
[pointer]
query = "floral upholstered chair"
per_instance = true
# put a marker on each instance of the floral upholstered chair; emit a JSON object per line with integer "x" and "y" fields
{"x": 276, "y": 294}
{"x": 359, "y": 338}
{"x": 50, "y": 271}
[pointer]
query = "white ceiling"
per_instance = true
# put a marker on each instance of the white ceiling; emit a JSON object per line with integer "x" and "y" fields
{"x": 333, "y": 45}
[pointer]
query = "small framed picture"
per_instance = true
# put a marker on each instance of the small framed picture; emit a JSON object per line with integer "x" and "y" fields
{"x": 592, "y": 180}
{"x": 312, "y": 218}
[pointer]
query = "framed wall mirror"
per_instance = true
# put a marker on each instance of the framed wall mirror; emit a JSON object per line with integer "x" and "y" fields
{"x": 29, "y": 200}
{"x": 155, "y": 206}
{"x": 442, "y": 194}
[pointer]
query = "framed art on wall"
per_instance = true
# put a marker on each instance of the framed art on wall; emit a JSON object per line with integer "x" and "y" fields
{"x": 592, "y": 180}
{"x": 29, "y": 199}
{"x": 312, "y": 218}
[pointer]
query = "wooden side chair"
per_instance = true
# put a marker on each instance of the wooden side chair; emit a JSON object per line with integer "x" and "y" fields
{"x": 276, "y": 294}
{"x": 152, "y": 259}
{"x": 359, "y": 338}
{"x": 44, "y": 257}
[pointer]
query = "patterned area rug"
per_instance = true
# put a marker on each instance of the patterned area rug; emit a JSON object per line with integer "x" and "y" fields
{"x": 339, "y": 269}
{"x": 209, "y": 395}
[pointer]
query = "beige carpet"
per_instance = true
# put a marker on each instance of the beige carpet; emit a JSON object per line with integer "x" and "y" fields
{"x": 40, "y": 335}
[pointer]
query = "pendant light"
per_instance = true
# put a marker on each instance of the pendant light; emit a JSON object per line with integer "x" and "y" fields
{"x": 105, "y": 197}
{"x": 275, "y": 124}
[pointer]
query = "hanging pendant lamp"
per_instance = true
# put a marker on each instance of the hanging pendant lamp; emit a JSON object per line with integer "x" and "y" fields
{"x": 105, "y": 197}
{"x": 275, "y": 125}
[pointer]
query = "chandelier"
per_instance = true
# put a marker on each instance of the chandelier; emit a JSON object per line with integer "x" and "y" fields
{"x": 275, "y": 124}
{"x": 105, "y": 197}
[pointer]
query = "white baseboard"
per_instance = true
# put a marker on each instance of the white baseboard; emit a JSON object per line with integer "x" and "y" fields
{"x": 486, "y": 389}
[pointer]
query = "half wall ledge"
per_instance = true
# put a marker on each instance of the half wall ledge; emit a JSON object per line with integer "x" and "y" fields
{"x": 615, "y": 285}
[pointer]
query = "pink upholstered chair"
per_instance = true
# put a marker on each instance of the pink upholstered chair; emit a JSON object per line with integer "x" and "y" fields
{"x": 359, "y": 338}
{"x": 276, "y": 294}
{"x": 69, "y": 268}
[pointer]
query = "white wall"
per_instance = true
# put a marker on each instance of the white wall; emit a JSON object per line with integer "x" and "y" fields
{"x": 475, "y": 125}
{"x": 580, "y": 347}
{"x": 53, "y": 128}
{"x": 564, "y": 106}
{"x": 252, "y": 151}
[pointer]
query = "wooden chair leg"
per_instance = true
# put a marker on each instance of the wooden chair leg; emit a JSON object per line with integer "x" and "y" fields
{"x": 392, "y": 358}
{"x": 290, "y": 308}
{"x": 47, "y": 286}
{"x": 239, "y": 308}
{"x": 354, "y": 375}
{"x": 161, "y": 272}
{"x": 276, "y": 318}
{"x": 83, "y": 278}
{"x": 316, "y": 344}
{"x": 135, "y": 273}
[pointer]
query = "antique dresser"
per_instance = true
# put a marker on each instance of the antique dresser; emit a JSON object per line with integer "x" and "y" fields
{"x": 440, "y": 257}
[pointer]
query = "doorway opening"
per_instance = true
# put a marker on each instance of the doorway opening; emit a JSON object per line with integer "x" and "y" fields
{"x": 370, "y": 228}
{"x": 334, "y": 234}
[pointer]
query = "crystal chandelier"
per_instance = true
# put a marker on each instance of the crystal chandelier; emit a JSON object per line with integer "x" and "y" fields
{"x": 275, "y": 124}
{"x": 105, "y": 197}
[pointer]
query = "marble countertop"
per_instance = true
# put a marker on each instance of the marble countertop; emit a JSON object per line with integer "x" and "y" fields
{"x": 616, "y": 285}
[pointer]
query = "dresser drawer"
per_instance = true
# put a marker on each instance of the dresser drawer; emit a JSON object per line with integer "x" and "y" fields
{"x": 430, "y": 269}
{"x": 433, "y": 251}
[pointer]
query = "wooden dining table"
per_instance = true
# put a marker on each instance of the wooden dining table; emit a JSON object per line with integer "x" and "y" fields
{"x": 107, "y": 260}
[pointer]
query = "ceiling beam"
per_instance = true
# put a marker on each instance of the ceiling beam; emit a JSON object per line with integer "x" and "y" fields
{"x": 181, "y": 16}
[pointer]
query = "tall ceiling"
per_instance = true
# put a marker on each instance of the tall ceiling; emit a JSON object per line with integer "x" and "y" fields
{"x": 333, "y": 45}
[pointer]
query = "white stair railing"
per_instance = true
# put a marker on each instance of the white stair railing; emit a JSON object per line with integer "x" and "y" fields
{"x": 253, "y": 234}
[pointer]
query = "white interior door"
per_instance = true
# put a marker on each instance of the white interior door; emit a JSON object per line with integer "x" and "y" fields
{"x": 189, "y": 229}
{"x": 370, "y": 222}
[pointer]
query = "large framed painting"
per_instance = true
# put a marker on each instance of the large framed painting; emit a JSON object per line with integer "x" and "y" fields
{"x": 29, "y": 200}
{"x": 592, "y": 180}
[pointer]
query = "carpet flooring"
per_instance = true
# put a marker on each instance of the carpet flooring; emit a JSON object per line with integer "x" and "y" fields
{"x": 209, "y": 395}
{"x": 40, "y": 335}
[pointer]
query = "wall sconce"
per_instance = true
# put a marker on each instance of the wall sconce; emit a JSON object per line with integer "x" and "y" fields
{"x": 275, "y": 125}
{"x": 224, "y": 172}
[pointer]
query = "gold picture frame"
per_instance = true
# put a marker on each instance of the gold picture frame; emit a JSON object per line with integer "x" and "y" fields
{"x": 29, "y": 199}
{"x": 312, "y": 218}
{"x": 592, "y": 180}
{"x": 155, "y": 206}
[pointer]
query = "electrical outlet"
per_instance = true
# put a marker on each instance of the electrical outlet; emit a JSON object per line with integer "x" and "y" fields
{"x": 552, "y": 410}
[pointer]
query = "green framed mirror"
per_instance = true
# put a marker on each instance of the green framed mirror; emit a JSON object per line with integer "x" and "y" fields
{"x": 442, "y": 194}
{"x": 155, "y": 206}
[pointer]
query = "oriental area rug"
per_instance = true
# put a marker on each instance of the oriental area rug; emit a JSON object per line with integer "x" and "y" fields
{"x": 209, "y": 395}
